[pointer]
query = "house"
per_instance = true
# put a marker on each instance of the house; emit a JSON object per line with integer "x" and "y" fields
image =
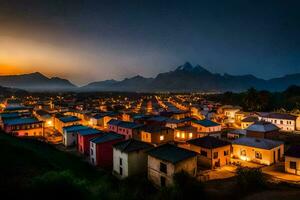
{"x": 70, "y": 134}
{"x": 102, "y": 119}
{"x": 258, "y": 150}
{"x": 292, "y": 160}
{"x": 229, "y": 112}
{"x": 285, "y": 122}
{"x": 44, "y": 116}
{"x": 24, "y": 126}
{"x": 128, "y": 129}
{"x": 130, "y": 158}
{"x": 206, "y": 126}
{"x": 239, "y": 116}
{"x": 166, "y": 160}
{"x": 182, "y": 134}
{"x": 262, "y": 129}
{"x": 83, "y": 139}
{"x": 247, "y": 121}
{"x": 236, "y": 133}
{"x": 65, "y": 120}
{"x": 101, "y": 149}
{"x": 175, "y": 123}
{"x": 156, "y": 134}
{"x": 213, "y": 152}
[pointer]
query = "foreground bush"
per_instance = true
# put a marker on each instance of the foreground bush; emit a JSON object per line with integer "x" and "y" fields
{"x": 185, "y": 187}
{"x": 250, "y": 179}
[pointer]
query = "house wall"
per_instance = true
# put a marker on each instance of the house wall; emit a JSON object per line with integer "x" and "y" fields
{"x": 59, "y": 125}
{"x": 283, "y": 124}
{"x": 288, "y": 159}
{"x": 267, "y": 155}
{"x": 104, "y": 154}
{"x": 83, "y": 143}
{"x": 30, "y": 130}
{"x": 154, "y": 173}
{"x": 201, "y": 128}
{"x": 117, "y": 154}
{"x": 268, "y": 135}
{"x": 70, "y": 139}
{"x": 154, "y": 138}
{"x": 245, "y": 125}
{"x": 137, "y": 162}
{"x": 209, "y": 161}
{"x": 298, "y": 123}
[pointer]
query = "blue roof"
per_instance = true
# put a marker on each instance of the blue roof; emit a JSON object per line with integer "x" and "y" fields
{"x": 20, "y": 121}
{"x": 9, "y": 115}
{"x": 74, "y": 128}
{"x": 12, "y": 108}
{"x": 124, "y": 124}
{"x": 107, "y": 137}
{"x": 206, "y": 123}
{"x": 89, "y": 131}
{"x": 67, "y": 119}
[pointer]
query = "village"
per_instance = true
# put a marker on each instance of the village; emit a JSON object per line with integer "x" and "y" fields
{"x": 159, "y": 134}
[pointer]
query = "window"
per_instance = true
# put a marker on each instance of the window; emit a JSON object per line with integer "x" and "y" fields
{"x": 203, "y": 153}
{"x": 281, "y": 122}
{"x": 216, "y": 155}
{"x": 121, "y": 161}
{"x": 293, "y": 165}
{"x": 178, "y": 134}
{"x": 182, "y": 135}
{"x": 92, "y": 152}
{"x": 121, "y": 171}
{"x": 162, "y": 181}
{"x": 258, "y": 155}
{"x": 190, "y": 135}
{"x": 226, "y": 153}
{"x": 161, "y": 137}
{"x": 243, "y": 152}
{"x": 163, "y": 167}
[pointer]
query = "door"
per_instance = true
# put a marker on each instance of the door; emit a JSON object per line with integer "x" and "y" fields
{"x": 162, "y": 181}
{"x": 278, "y": 155}
{"x": 274, "y": 156}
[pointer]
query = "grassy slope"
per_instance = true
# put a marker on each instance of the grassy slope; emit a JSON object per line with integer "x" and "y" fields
{"x": 23, "y": 159}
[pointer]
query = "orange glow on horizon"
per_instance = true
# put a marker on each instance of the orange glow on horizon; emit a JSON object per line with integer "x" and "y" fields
{"x": 11, "y": 70}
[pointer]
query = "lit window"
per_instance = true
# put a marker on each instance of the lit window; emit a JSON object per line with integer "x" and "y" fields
{"x": 190, "y": 135}
{"x": 182, "y": 135}
{"x": 161, "y": 137}
{"x": 178, "y": 134}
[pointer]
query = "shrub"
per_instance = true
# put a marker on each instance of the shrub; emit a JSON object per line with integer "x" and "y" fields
{"x": 250, "y": 179}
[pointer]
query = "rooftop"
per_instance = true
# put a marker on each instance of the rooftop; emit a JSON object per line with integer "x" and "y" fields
{"x": 293, "y": 151}
{"x": 132, "y": 145}
{"x": 74, "y": 128}
{"x": 208, "y": 142}
{"x": 107, "y": 137}
{"x": 258, "y": 143}
{"x": 281, "y": 116}
{"x": 67, "y": 119}
{"x": 89, "y": 131}
{"x": 261, "y": 126}
{"x": 21, "y": 121}
{"x": 171, "y": 153}
{"x": 124, "y": 124}
{"x": 206, "y": 123}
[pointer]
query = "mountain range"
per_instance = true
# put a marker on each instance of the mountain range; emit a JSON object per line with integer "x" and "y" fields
{"x": 185, "y": 78}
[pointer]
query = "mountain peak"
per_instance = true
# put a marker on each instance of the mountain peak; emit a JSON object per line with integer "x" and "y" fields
{"x": 185, "y": 67}
{"x": 188, "y": 67}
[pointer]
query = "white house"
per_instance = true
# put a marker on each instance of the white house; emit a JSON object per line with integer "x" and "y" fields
{"x": 129, "y": 158}
{"x": 285, "y": 122}
{"x": 70, "y": 134}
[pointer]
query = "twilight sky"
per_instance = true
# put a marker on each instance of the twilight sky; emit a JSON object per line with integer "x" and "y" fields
{"x": 85, "y": 40}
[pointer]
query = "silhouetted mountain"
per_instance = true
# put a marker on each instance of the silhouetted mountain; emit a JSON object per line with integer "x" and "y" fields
{"x": 36, "y": 82}
{"x": 5, "y": 91}
{"x": 189, "y": 78}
